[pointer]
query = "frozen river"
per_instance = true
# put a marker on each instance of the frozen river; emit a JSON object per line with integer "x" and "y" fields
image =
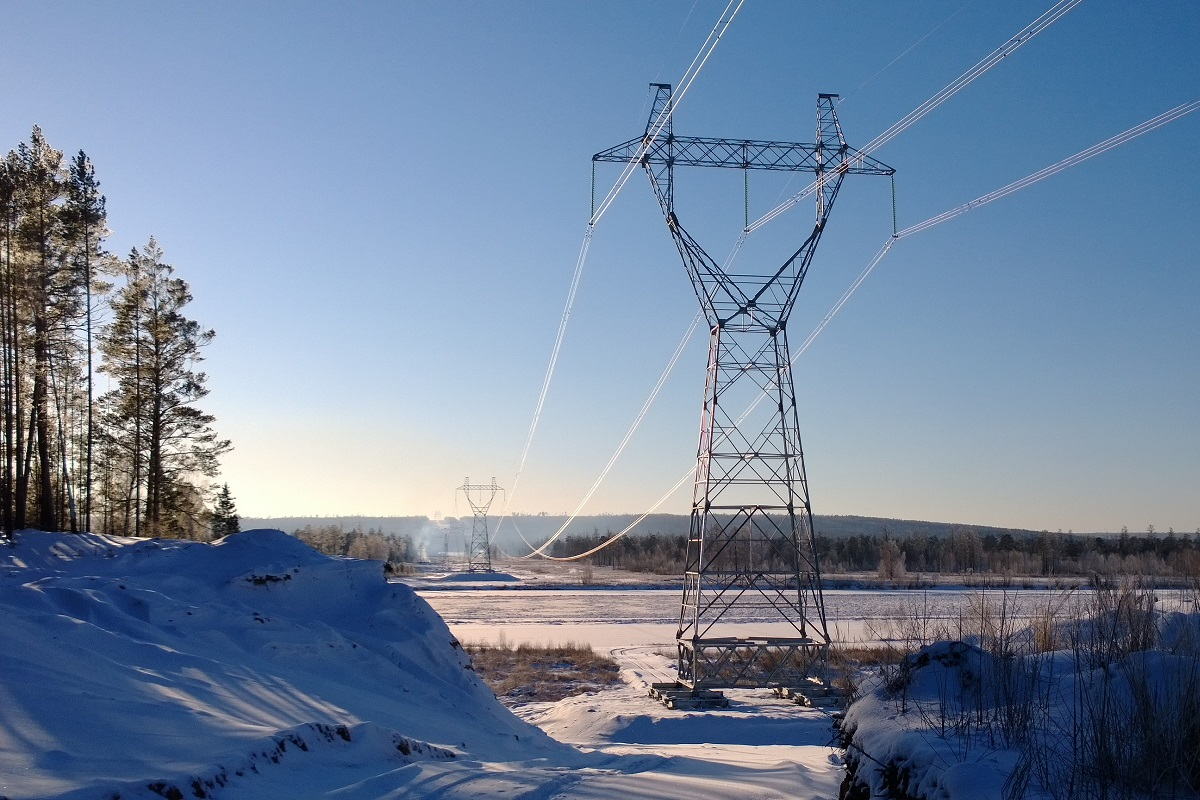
{"x": 607, "y": 618}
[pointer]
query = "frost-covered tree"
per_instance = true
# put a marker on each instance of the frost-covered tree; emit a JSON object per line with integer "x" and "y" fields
{"x": 59, "y": 446}
{"x": 38, "y": 176}
{"x": 891, "y": 560}
{"x": 84, "y": 218}
{"x": 151, "y": 349}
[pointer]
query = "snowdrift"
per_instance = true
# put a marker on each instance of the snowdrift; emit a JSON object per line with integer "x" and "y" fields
{"x": 246, "y": 668}
{"x": 956, "y": 722}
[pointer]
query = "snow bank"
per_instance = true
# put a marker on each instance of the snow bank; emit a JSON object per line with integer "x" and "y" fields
{"x": 954, "y": 722}
{"x": 132, "y": 667}
{"x": 900, "y": 735}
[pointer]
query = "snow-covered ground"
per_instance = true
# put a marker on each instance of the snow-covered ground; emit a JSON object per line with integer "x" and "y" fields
{"x": 258, "y": 668}
{"x": 1094, "y": 719}
{"x": 620, "y": 616}
{"x": 959, "y": 728}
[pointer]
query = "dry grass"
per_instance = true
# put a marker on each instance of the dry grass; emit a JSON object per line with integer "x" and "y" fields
{"x": 532, "y": 673}
{"x": 851, "y": 656}
{"x": 848, "y": 662}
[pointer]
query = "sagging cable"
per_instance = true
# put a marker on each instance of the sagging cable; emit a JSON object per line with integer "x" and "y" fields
{"x": 662, "y": 379}
{"x": 1083, "y": 155}
{"x": 693, "y": 70}
{"x": 1026, "y": 35}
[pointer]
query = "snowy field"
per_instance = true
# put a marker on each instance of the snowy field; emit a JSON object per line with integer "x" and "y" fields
{"x": 620, "y": 617}
{"x": 258, "y": 668}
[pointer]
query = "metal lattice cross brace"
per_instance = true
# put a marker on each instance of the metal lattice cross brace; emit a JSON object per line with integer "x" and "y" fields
{"x": 751, "y": 556}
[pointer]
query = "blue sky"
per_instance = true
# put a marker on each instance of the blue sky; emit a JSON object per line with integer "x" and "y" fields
{"x": 379, "y": 207}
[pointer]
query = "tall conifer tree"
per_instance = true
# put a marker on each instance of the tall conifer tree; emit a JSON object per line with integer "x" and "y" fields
{"x": 151, "y": 350}
{"x": 9, "y": 386}
{"x": 86, "y": 217}
{"x": 40, "y": 185}
{"x": 145, "y": 447}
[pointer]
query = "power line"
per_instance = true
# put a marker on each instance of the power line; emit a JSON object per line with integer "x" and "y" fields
{"x": 652, "y": 133}
{"x": 910, "y": 48}
{"x": 1053, "y": 169}
{"x": 1066, "y": 163}
{"x": 662, "y": 379}
{"x": 656, "y": 128}
{"x": 1057, "y": 11}
{"x": 1004, "y": 191}
{"x": 679, "y": 483}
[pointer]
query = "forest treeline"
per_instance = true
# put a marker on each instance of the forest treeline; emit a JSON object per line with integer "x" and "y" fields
{"x": 961, "y": 551}
{"x": 373, "y": 544}
{"x": 137, "y": 458}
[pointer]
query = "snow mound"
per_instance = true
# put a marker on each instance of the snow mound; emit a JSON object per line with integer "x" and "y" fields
{"x": 900, "y": 734}
{"x": 127, "y": 662}
{"x": 954, "y": 722}
{"x": 330, "y": 748}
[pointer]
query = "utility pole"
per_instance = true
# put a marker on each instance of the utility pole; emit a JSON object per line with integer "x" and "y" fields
{"x": 751, "y": 554}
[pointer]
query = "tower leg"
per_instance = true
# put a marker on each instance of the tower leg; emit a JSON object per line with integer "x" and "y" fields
{"x": 479, "y": 554}
{"x": 751, "y": 560}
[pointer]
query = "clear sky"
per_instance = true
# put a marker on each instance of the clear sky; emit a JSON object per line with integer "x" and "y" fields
{"x": 379, "y": 207}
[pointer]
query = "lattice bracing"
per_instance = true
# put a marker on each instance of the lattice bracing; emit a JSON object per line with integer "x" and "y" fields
{"x": 751, "y": 561}
{"x": 479, "y": 498}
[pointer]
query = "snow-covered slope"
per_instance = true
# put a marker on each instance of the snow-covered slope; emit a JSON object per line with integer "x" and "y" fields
{"x": 955, "y": 722}
{"x": 149, "y": 668}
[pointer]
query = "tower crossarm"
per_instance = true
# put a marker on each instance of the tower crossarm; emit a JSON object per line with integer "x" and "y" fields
{"x": 480, "y": 495}
{"x": 762, "y": 300}
{"x": 481, "y": 487}
{"x": 699, "y": 151}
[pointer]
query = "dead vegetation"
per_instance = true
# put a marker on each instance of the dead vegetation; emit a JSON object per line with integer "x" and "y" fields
{"x": 530, "y": 673}
{"x": 860, "y": 656}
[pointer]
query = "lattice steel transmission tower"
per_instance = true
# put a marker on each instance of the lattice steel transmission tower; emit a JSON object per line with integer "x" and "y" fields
{"x": 479, "y": 498}
{"x": 751, "y": 555}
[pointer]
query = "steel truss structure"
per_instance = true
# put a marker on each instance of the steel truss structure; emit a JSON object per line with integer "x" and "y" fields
{"x": 479, "y": 498}
{"x": 751, "y": 555}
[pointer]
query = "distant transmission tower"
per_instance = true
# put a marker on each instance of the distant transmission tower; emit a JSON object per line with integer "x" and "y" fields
{"x": 479, "y": 497}
{"x": 751, "y": 555}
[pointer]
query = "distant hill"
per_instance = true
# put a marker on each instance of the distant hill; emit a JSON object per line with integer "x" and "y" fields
{"x": 845, "y": 526}
{"x": 539, "y": 528}
{"x": 536, "y": 528}
{"x": 400, "y": 526}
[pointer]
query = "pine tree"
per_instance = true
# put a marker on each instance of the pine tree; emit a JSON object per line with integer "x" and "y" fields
{"x": 224, "y": 516}
{"x": 85, "y": 218}
{"x": 151, "y": 350}
{"x": 42, "y": 310}
{"x": 45, "y": 300}
{"x": 9, "y": 383}
{"x": 137, "y": 454}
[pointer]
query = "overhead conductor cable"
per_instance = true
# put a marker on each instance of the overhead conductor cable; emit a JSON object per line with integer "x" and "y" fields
{"x": 1056, "y": 12}
{"x": 1028, "y": 180}
{"x": 1025, "y": 35}
{"x": 662, "y": 379}
{"x": 702, "y": 56}
{"x": 1083, "y": 155}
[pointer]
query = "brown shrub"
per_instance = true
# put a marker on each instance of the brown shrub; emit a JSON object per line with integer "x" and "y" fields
{"x": 532, "y": 673}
